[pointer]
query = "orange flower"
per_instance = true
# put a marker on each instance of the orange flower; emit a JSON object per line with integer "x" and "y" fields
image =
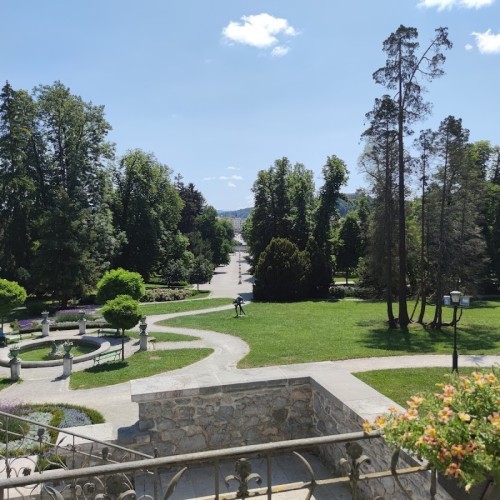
{"x": 415, "y": 401}
{"x": 444, "y": 455}
{"x": 445, "y": 414}
{"x": 411, "y": 414}
{"x": 367, "y": 426}
{"x": 458, "y": 451}
{"x": 494, "y": 418}
{"x": 381, "y": 422}
{"x": 454, "y": 470}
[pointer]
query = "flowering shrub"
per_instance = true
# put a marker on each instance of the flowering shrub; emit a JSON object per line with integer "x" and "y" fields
{"x": 457, "y": 430}
{"x": 165, "y": 294}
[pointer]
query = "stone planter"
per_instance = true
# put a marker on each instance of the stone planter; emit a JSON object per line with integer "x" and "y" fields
{"x": 67, "y": 346}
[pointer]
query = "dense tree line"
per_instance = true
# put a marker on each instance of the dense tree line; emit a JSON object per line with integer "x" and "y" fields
{"x": 435, "y": 202}
{"x": 428, "y": 223}
{"x": 70, "y": 210}
{"x": 290, "y": 231}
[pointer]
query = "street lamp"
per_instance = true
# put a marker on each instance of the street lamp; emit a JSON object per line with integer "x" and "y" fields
{"x": 455, "y": 301}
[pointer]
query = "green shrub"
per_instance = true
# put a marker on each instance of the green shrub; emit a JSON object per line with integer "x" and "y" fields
{"x": 120, "y": 282}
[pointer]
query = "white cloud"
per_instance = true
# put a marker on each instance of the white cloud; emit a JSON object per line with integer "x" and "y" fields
{"x": 233, "y": 168}
{"x": 449, "y": 4}
{"x": 209, "y": 178}
{"x": 468, "y": 46}
{"x": 233, "y": 177}
{"x": 487, "y": 42}
{"x": 262, "y": 31}
{"x": 280, "y": 51}
{"x": 231, "y": 184}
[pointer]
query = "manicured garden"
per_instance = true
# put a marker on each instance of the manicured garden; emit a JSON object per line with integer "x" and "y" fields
{"x": 286, "y": 333}
{"x": 182, "y": 306}
{"x": 139, "y": 365}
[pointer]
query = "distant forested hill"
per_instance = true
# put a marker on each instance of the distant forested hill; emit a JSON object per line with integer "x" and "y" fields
{"x": 243, "y": 213}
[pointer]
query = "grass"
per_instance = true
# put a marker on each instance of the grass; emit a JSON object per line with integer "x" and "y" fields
{"x": 286, "y": 333}
{"x": 42, "y": 353}
{"x": 176, "y": 306}
{"x": 141, "y": 364}
{"x": 164, "y": 336}
{"x": 7, "y": 382}
{"x": 402, "y": 383}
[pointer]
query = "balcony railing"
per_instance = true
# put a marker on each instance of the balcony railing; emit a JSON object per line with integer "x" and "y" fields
{"x": 76, "y": 466}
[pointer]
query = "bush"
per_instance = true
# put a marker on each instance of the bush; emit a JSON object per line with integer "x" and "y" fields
{"x": 165, "y": 294}
{"x": 337, "y": 292}
{"x": 282, "y": 272}
{"x": 120, "y": 282}
{"x": 12, "y": 295}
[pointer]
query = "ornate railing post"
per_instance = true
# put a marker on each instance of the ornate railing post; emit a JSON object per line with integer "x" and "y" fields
{"x": 357, "y": 458}
{"x": 243, "y": 476}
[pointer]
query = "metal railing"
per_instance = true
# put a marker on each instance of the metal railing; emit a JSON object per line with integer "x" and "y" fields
{"x": 79, "y": 467}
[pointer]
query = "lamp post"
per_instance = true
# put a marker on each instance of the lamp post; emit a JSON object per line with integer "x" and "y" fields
{"x": 455, "y": 301}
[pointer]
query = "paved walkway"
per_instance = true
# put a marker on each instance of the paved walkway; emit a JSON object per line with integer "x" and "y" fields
{"x": 114, "y": 402}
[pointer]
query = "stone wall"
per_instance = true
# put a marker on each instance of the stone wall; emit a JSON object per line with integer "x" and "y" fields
{"x": 200, "y": 418}
{"x": 332, "y": 416}
{"x": 226, "y": 416}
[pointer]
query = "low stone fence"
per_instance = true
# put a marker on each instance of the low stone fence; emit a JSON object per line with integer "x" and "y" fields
{"x": 200, "y": 418}
{"x": 226, "y": 416}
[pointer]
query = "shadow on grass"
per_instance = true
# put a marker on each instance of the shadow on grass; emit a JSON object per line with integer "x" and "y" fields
{"x": 6, "y": 382}
{"x": 469, "y": 339}
{"x": 110, "y": 366}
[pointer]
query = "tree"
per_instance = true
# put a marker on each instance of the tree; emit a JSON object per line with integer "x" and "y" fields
{"x": 217, "y": 233}
{"x": 404, "y": 72}
{"x": 201, "y": 272}
{"x": 147, "y": 208}
{"x": 70, "y": 155}
{"x": 335, "y": 176}
{"x": 379, "y": 161}
{"x": 17, "y": 183}
{"x": 348, "y": 250}
{"x": 282, "y": 273}
{"x": 194, "y": 203}
{"x": 426, "y": 146}
{"x": 120, "y": 282}
{"x": 12, "y": 295}
{"x": 175, "y": 272}
{"x": 123, "y": 313}
{"x": 456, "y": 245}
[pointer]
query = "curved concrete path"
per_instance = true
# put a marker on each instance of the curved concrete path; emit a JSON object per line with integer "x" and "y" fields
{"x": 114, "y": 402}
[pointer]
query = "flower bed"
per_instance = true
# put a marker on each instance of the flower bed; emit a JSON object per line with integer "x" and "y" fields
{"x": 457, "y": 430}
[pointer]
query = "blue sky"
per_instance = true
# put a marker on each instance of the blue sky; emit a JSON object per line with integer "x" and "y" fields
{"x": 220, "y": 89}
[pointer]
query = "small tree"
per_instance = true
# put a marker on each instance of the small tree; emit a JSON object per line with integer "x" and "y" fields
{"x": 123, "y": 313}
{"x": 202, "y": 271}
{"x": 176, "y": 272}
{"x": 282, "y": 273}
{"x": 12, "y": 295}
{"x": 120, "y": 282}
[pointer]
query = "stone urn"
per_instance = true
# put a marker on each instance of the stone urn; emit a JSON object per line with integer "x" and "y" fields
{"x": 67, "y": 346}
{"x": 14, "y": 351}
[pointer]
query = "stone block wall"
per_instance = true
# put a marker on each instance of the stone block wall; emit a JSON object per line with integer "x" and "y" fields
{"x": 226, "y": 416}
{"x": 332, "y": 416}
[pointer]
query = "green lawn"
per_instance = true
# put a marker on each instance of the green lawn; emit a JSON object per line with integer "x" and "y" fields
{"x": 42, "y": 353}
{"x": 287, "y": 333}
{"x": 141, "y": 364}
{"x": 164, "y": 336}
{"x": 176, "y": 306}
{"x": 400, "y": 384}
